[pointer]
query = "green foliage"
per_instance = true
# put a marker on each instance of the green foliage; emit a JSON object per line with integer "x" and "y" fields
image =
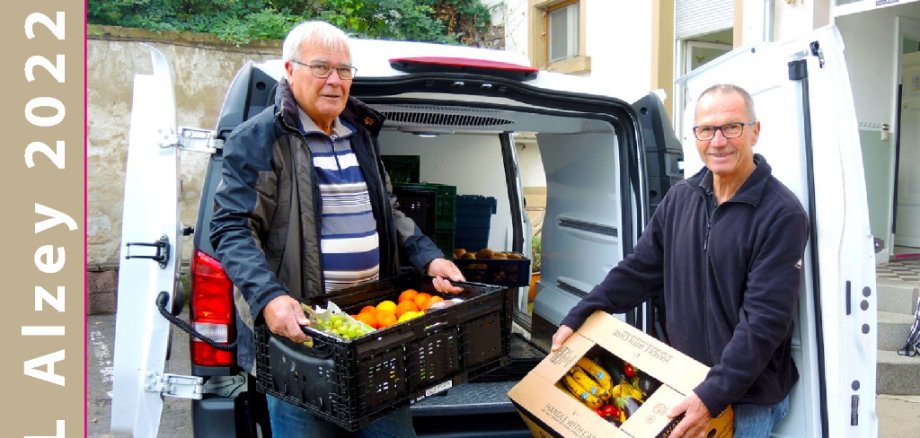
{"x": 244, "y": 21}
{"x": 535, "y": 259}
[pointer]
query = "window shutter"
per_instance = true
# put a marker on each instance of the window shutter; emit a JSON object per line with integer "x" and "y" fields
{"x": 698, "y": 17}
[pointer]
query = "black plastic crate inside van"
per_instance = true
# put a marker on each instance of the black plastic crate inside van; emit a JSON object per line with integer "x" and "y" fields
{"x": 352, "y": 383}
{"x": 504, "y": 272}
{"x": 402, "y": 168}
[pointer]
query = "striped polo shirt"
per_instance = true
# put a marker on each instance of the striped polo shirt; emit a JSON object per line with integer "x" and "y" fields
{"x": 349, "y": 243}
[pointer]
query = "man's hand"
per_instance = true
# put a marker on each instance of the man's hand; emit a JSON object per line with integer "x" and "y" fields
{"x": 284, "y": 317}
{"x": 441, "y": 269}
{"x": 696, "y": 420}
{"x": 560, "y": 336}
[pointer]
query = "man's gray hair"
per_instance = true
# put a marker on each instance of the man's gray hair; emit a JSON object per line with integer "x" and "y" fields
{"x": 317, "y": 33}
{"x": 729, "y": 89}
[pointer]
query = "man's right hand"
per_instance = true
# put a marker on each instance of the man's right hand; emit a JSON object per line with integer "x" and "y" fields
{"x": 284, "y": 317}
{"x": 560, "y": 337}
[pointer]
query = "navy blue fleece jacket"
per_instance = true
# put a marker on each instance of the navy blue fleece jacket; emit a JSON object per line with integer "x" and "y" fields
{"x": 729, "y": 281}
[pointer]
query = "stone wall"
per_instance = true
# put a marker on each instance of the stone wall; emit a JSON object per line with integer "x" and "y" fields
{"x": 202, "y": 68}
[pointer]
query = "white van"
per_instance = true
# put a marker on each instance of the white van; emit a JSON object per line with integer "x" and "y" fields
{"x": 607, "y": 162}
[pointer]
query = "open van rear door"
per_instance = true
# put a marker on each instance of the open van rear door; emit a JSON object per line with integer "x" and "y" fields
{"x": 150, "y": 253}
{"x": 809, "y": 136}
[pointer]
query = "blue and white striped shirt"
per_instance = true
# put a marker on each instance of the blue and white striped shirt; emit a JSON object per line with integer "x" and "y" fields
{"x": 349, "y": 243}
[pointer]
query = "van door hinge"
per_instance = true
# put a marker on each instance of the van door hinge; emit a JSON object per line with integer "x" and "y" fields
{"x": 225, "y": 386}
{"x": 192, "y": 140}
{"x": 161, "y": 255}
{"x": 173, "y": 385}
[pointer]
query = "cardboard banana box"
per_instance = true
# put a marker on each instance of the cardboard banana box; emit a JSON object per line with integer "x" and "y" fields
{"x": 550, "y": 405}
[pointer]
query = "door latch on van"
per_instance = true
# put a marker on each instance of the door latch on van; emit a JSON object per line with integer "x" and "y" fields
{"x": 161, "y": 256}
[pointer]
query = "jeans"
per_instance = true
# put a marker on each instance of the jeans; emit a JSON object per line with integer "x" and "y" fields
{"x": 289, "y": 421}
{"x": 757, "y": 421}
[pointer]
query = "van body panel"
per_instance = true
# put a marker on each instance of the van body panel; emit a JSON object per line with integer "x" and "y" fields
{"x": 809, "y": 136}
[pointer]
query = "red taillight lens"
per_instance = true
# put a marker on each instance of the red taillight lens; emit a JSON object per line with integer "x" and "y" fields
{"x": 211, "y": 310}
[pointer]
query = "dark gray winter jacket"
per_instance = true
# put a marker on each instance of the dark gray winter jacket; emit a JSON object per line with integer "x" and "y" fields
{"x": 266, "y": 229}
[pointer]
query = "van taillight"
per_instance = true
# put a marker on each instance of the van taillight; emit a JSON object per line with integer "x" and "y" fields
{"x": 211, "y": 310}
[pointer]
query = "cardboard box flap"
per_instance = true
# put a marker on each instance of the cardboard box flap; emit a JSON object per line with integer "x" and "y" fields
{"x": 557, "y": 363}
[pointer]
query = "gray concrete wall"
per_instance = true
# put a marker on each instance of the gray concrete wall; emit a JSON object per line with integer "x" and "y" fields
{"x": 202, "y": 68}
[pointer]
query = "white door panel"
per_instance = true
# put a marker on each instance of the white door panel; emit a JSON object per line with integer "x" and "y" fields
{"x": 150, "y": 213}
{"x": 581, "y": 237}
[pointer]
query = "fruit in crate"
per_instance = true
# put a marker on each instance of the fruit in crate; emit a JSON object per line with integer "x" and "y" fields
{"x": 590, "y": 383}
{"x": 405, "y": 306}
{"x": 387, "y": 306}
{"x": 407, "y": 295}
{"x": 336, "y": 323}
{"x": 486, "y": 254}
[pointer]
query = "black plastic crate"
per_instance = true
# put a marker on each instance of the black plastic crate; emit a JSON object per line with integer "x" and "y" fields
{"x": 445, "y": 200}
{"x": 505, "y": 272}
{"x": 402, "y": 168}
{"x": 352, "y": 383}
{"x": 431, "y": 206}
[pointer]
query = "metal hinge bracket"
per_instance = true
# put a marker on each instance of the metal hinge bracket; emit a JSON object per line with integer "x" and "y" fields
{"x": 173, "y": 385}
{"x": 225, "y": 386}
{"x": 192, "y": 140}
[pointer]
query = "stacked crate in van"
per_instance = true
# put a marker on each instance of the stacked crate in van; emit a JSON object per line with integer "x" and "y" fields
{"x": 432, "y": 208}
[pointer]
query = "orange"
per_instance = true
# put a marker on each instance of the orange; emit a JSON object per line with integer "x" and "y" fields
{"x": 421, "y": 300}
{"x": 371, "y": 309}
{"x": 367, "y": 318}
{"x": 385, "y": 319}
{"x": 405, "y": 306}
{"x": 387, "y": 305}
{"x": 408, "y": 294}
{"x": 432, "y": 300}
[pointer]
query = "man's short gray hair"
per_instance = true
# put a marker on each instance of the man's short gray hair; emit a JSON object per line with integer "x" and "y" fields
{"x": 317, "y": 33}
{"x": 732, "y": 89}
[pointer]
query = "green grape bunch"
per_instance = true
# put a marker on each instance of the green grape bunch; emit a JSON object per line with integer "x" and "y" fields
{"x": 338, "y": 324}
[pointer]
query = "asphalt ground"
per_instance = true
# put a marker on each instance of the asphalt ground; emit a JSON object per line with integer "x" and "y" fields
{"x": 899, "y": 416}
{"x": 100, "y": 344}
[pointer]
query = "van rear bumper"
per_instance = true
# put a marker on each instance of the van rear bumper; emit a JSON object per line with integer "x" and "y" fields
{"x": 214, "y": 417}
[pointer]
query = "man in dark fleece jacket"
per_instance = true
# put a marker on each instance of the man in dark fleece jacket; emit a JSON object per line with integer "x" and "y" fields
{"x": 724, "y": 252}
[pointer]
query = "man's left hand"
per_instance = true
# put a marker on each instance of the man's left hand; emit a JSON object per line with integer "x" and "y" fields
{"x": 696, "y": 419}
{"x": 441, "y": 270}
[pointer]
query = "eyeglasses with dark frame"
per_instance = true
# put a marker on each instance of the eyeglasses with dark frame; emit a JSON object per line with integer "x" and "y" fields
{"x": 323, "y": 71}
{"x": 729, "y": 130}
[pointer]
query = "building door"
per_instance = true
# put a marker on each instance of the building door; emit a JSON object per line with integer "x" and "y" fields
{"x": 907, "y": 219}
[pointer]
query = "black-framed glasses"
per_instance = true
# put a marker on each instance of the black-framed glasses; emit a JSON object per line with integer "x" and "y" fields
{"x": 322, "y": 71}
{"x": 729, "y": 130}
